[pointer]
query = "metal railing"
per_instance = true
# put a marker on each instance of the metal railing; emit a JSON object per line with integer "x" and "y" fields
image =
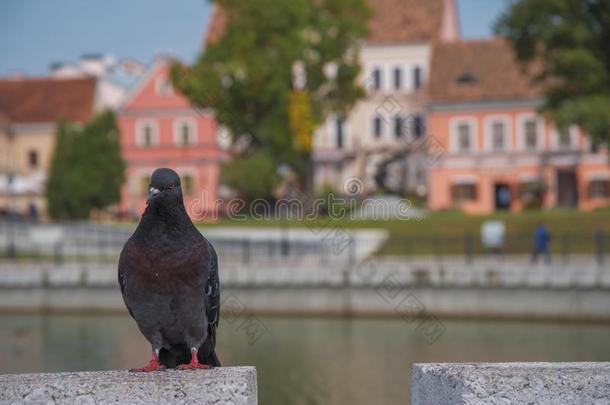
{"x": 86, "y": 242}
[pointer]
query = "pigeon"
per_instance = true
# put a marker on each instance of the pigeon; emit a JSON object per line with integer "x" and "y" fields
{"x": 168, "y": 274}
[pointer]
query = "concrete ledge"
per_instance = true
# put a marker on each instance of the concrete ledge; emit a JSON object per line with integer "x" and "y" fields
{"x": 510, "y": 383}
{"x": 228, "y": 385}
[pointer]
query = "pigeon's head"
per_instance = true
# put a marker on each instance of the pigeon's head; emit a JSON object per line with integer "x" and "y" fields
{"x": 164, "y": 188}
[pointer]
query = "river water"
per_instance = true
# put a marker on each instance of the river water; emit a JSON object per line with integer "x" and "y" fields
{"x": 303, "y": 360}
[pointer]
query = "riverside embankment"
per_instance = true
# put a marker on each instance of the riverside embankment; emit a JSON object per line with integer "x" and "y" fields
{"x": 490, "y": 288}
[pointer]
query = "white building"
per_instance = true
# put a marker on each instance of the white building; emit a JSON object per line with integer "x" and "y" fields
{"x": 114, "y": 78}
{"x": 382, "y": 131}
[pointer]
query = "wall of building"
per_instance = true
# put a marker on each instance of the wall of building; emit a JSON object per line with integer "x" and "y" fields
{"x": 165, "y": 110}
{"x": 362, "y": 150}
{"x": 513, "y": 166}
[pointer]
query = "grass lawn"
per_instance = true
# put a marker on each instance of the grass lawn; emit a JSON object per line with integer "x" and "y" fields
{"x": 445, "y": 232}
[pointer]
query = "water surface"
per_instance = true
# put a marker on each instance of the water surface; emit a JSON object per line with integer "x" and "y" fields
{"x": 302, "y": 360}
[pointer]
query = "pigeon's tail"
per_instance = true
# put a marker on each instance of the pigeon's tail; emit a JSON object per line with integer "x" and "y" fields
{"x": 209, "y": 358}
{"x": 174, "y": 356}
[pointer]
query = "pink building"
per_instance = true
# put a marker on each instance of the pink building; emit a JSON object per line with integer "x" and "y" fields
{"x": 498, "y": 153}
{"x": 160, "y": 128}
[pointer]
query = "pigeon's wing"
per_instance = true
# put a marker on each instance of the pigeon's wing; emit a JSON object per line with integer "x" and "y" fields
{"x": 125, "y": 260}
{"x": 213, "y": 293}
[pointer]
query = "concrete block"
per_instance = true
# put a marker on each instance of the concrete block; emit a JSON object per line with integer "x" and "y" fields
{"x": 510, "y": 383}
{"x": 224, "y": 385}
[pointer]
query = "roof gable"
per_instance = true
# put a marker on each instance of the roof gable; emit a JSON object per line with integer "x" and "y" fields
{"x": 146, "y": 94}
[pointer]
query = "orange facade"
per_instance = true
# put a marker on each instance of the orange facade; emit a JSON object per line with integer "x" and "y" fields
{"x": 159, "y": 128}
{"x": 502, "y": 155}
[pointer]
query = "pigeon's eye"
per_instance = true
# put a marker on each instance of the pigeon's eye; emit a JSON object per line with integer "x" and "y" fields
{"x": 171, "y": 186}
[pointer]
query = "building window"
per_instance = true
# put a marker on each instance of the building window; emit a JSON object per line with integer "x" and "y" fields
{"x": 144, "y": 186}
{"x": 599, "y": 189}
{"x": 416, "y": 78}
{"x": 564, "y": 138}
{"x": 187, "y": 185}
{"x": 419, "y": 126}
{"x": 377, "y": 127}
{"x": 33, "y": 159}
{"x": 185, "y": 132}
{"x": 464, "y": 135}
{"x": 463, "y": 192}
{"x": 339, "y": 132}
{"x": 376, "y": 79}
{"x": 397, "y": 78}
{"x": 146, "y": 134}
{"x": 497, "y": 137}
{"x": 399, "y": 123}
{"x": 530, "y": 134}
{"x": 163, "y": 85}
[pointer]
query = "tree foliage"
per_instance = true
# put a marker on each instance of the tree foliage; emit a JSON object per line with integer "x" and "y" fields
{"x": 246, "y": 77}
{"x": 572, "y": 37}
{"x": 87, "y": 169}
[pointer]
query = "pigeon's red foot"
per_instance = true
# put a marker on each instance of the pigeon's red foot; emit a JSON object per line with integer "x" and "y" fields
{"x": 194, "y": 364}
{"x": 153, "y": 365}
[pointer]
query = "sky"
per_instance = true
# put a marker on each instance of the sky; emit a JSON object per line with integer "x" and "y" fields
{"x": 36, "y": 33}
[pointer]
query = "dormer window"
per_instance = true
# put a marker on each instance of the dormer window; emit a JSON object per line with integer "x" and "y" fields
{"x": 466, "y": 78}
{"x": 163, "y": 85}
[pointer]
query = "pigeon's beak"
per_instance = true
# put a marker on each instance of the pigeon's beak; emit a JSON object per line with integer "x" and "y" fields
{"x": 152, "y": 192}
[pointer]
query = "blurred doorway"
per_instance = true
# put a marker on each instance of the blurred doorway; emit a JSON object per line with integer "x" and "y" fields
{"x": 502, "y": 196}
{"x": 567, "y": 188}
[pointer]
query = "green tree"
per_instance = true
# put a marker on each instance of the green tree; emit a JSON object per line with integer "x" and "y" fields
{"x": 569, "y": 43}
{"x": 87, "y": 169}
{"x": 246, "y": 76}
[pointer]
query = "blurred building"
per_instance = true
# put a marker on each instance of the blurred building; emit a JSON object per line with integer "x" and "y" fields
{"x": 29, "y": 111}
{"x": 114, "y": 77}
{"x": 377, "y": 141}
{"x": 498, "y": 153}
{"x": 160, "y": 128}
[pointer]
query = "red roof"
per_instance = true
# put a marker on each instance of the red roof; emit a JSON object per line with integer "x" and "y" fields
{"x": 47, "y": 99}
{"x": 393, "y": 21}
{"x": 479, "y": 70}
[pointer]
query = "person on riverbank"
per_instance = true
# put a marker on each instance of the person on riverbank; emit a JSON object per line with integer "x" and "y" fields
{"x": 542, "y": 241}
